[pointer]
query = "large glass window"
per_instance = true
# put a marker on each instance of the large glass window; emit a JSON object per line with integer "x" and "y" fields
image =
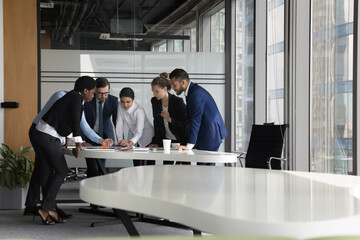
{"x": 332, "y": 86}
{"x": 218, "y": 31}
{"x": 275, "y": 61}
{"x": 193, "y": 39}
{"x": 244, "y": 102}
{"x": 178, "y": 45}
{"x": 163, "y": 47}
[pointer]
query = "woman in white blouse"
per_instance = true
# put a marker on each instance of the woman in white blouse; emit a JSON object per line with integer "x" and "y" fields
{"x": 133, "y": 115}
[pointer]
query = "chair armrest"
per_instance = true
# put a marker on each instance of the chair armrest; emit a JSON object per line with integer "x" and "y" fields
{"x": 276, "y": 158}
{"x": 240, "y": 156}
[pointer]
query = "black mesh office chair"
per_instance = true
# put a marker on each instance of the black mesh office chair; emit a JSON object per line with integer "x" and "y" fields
{"x": 266, "y": 144}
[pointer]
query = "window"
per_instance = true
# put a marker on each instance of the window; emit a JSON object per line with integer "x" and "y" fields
{"x": 331, "y": 90}
{"x": 193, "y": 39}
{"x": 163, "y": 47}
{"x": 178, "y": 45}
{"x": 244, "y": 73}
{"x": 217, "y": 31}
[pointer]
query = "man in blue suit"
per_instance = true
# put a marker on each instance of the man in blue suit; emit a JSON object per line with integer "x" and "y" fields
{"x": 98, "y": 113}
{"x": 206, "y": 126}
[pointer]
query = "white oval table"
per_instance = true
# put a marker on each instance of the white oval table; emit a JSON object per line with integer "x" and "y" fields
{"x": 234, "y": 201}
{"x": 174, "y": 155}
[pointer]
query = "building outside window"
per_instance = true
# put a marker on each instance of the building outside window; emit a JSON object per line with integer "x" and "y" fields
{"x": 217, "y": 31}
{"x": 163, "y": 47}
{"x": 244, "y": 103}
{"x": 332, "y": 86}
{"x": 193, "y": 39}
{"x": 178, "y": 45}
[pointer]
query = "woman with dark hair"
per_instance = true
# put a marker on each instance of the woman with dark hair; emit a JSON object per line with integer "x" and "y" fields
{"x": 62, "y": 120}
{"x": 133, "y": 115}
{"x": 169, "y": 113}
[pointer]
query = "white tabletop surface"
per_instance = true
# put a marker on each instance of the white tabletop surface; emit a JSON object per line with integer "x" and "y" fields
{"x": 174, "y": 155}
{"x": 235, "y": 201}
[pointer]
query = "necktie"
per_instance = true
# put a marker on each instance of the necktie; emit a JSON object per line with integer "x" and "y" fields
{"x": 101, "y": 126}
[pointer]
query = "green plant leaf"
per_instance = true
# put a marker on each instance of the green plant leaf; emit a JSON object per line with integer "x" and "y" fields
{"x": 15, "y": 169}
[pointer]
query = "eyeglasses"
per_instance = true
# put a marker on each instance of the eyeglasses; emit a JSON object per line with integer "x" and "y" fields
{"x": 102, "y": 93}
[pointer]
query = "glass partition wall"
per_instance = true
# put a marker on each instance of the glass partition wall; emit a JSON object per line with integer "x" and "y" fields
{"x": 131, "y": 42}
{"x": 244, "y": 101}
{"x": 332, "y": 56}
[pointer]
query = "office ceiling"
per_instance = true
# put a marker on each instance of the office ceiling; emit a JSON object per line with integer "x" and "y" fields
{"x": 77, "y": 24}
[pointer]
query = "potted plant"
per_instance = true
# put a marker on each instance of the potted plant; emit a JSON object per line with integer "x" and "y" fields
{"x": 15, "y": 174}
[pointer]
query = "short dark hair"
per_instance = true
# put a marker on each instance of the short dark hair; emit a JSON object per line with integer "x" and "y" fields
{"x": 127, "y": 92}
{"x": 179, "y": 74}
{"x": 161, "y": 82}
{"x": 102, "y": 82}
{"x": 84, "y": 82}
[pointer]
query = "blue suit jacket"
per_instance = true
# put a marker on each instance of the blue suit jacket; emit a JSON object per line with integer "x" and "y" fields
{"x": 206, "y": 126}
{"x": 110, "y": 109}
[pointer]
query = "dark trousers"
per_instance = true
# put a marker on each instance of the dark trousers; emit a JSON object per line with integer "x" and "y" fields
{"x": 53, "y": 167}
{"x": 93, "y": 168}
{"x": 143, "y": 162}
{"x": 33, "y": 195}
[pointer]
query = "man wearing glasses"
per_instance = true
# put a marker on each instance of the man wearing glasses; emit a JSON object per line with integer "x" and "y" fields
{"x": 98, "y": 113}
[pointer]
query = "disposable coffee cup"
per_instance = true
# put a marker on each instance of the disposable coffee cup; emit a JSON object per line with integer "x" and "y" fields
{"x": 167, "y": 144}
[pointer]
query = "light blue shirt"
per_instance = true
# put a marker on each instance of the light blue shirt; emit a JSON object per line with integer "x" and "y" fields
{"x": 83, "y": 123}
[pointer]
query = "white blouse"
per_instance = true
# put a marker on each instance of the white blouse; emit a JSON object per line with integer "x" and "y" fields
{"x": 168, "y": 133}
{"x": 141, "y": 130}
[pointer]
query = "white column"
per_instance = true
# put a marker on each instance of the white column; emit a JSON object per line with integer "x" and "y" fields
{"x": 299, "y": 85}
{"x": 260, "y": 62}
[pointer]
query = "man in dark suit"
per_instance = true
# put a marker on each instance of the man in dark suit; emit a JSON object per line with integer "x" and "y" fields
{"x": 98, "y": 113}
{"x": 206, "y": 126}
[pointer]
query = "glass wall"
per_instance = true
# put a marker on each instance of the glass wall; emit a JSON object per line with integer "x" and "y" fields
{"x": 217, "y": 31}
{"x": 130, "y": 42}
{"x": 244, "y": 102}
{"x": 193, "y": 39}
{"x": 275, "y": 61}
{"x": 332, "y": 86}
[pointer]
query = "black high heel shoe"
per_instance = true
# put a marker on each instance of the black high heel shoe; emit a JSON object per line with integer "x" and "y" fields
{"x": 45, "y": 220}
{"x": 55, "y": 217}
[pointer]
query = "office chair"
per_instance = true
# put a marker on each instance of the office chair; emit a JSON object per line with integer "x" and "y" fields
{"x": 266, "y": 144}
{"x": 75, "y": 174}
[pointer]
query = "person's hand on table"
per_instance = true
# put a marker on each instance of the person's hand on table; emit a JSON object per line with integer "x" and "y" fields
{"x": 124, "y": 143}
{"x": 153, "y": 145}
{"x": 85, "y": 144}
{"x": 106, "y": 142}
{"x": 182, "y": 147}
{"x": 76, "y": 150}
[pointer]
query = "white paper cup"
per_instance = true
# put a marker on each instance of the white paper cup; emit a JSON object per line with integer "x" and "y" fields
{"x": 167, "y": 144}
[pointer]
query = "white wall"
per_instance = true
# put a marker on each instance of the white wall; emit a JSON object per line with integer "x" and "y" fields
{"x": 1, "y": 72}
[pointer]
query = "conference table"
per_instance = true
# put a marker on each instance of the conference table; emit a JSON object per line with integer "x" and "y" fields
{"x": 233, "y": 201}
{"x": 192, "y": 156}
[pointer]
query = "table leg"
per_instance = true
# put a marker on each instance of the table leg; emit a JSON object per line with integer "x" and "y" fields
{"x": 121, "y": 217}
{"x": 129, "y": 225}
